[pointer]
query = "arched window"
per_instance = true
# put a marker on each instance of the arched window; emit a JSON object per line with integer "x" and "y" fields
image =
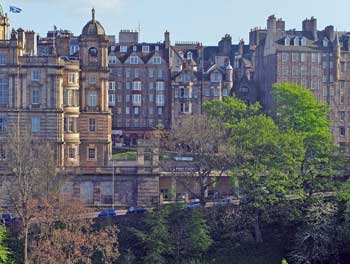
{"x": 296, "y": 41}
{"x": 325, "y": 42}
{"x": 189, "y": 55}
{"x": 287, "y": 41}
{"x": 303, "y": 41}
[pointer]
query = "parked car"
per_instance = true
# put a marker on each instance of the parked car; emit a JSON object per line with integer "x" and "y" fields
{"x": 106, "y": 213}
{"x": 193, "y": 205}
{"x": 136, "y": 210}
{"x": 7, "y": 219}
{"x": 194, "y": 201}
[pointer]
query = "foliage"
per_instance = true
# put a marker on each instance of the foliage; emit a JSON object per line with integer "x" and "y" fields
{"x": 4, "y": 252}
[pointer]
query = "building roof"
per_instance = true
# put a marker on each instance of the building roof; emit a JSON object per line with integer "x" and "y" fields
{"x": 93, "y": 27}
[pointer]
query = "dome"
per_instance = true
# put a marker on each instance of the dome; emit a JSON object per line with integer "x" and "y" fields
{"x": 229, "y": 67}
{"x": 93, "y": 27}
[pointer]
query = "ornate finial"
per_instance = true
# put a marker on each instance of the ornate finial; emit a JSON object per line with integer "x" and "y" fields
{"x": 93, "y": 14}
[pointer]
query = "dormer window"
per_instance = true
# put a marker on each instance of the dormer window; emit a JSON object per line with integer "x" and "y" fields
{"x": 134, "y": 48}
{"x": 303, "y": 41}
{"x": 123, "y": 48}
{"x": 296, "y": 41}
{"x": 189, "y": 55}
{"x": 325, "y": 42}
{"x": 134, "y": 60}
{"x": 215, "y": 77}
{"x": 286, "y": 41}
{"x": 157, "y": 60}
{"x": 181, "y": 54}
{"x": 145, "y": 49}
{"x": 112, "y": 59}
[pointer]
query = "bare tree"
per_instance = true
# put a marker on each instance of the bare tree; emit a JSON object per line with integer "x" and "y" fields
{"x": 31, "y": 173}
{"x": 203, "y": 141}
{"x": 65, "y": 235}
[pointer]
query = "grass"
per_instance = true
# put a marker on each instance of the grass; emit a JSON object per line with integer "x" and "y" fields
{"x": 125, "y": 155}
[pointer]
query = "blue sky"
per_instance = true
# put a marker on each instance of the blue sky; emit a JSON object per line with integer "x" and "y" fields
{"x": 187, "y": 20}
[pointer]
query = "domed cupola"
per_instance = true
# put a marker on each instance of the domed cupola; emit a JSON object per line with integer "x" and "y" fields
{"x": 93, "y": 27}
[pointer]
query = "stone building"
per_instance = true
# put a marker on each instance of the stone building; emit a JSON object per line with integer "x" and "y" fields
{"x": 316, "y": 59}
{"x": 139, "y": 90}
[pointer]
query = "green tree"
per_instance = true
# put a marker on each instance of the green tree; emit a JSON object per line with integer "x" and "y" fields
{"x": 267, "y": 162}
{"x": 297, "y": 108}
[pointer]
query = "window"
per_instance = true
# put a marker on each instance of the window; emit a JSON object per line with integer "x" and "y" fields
{"x": 123, "y": 48}
{"x": 216, "y": 91}
{"x": 134, "y": 60}
{"x": 150, "y": 98}
{"x": 150, "y": 73}
{"x": 157, "y": 60}
{"x": 127, "y": 98}
{"x": 303, "y": 70}
{"x": 119, "y": 98}
{"x": 215, "y": 77}
{"x": 36, "y": 75}
{"x": 304, "y": 82}
{"x": 314, "y": 84}
{"x": 342, "y": 67}
{"x": 150, "y": 110}
{"x": 296, "y": 41}
{"x": 69, "y": 94}
{"x": 286, "y": 41}
{"x": 92, "y": 80}
{"x": 207, "y": 91}
{"x": 92, "y": 124}
{"x": 224, "y": 92}
{"x": 112, "y": 85}
{"x": 244, "y": 89}
{"x": 112, "y": 59}
{"x": 295, "y": 57}
{"x": 127, "y": 73}
{"x": 145, "y": 49}
{"x": 325, "y": 42}
{"x": 160, "y": 86}
{"x": 160, "y": 99}
{"x": 2, "y": 59}
{"x": 137, "y": 73}
{"x": 342, "y": 131}
{"x": 184, "y": 108}
{"x": 157, "y": 48}
{"x": 189, "y": 55}
{"x": 324, "y": 78}
{"x": 127, "y": 85}
{"x": 136, "y": 86}
{"x": 314, "y": 71}
{"x": 35, "y": 124}
{"x": 136, "y": 110}
{"x": 342, "y": 116}
{"x": 314, "y": 57}
{"x": 136, "y": 99}
{"x": 136, "y": 123}
{"x": 91, "y": 153}
{"x": 70, "y": 124}
{"x": 160, "y": 110}
{"x": 127, "y": 110}
{"x": 3, "y": 124}
{"x": 4, "y": 92}
{"x": 285, "y": 56}
{"x": 36, "y": 96}
{"x": 71, "y": 153}
{"x": 2, "y": 152}
{"x": 295, "y": 70}
{"x": 134, "y": 48}
{"x": 111, "y": 99}
{"x": 71, "y": 77}
{"x": 303, "y": 41}
{"x": 302, "y": 57}
{"x": 195, "y": 92}
{"x": 150, "y": 85}
{"x": 92, "y": 100}
{"x": 160, "y": 74}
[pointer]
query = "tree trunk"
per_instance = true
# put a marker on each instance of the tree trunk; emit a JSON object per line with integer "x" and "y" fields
{"x": 257, "y": 231}
{"x": 26, "y": 259}
{"x": 203, "y": 190}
